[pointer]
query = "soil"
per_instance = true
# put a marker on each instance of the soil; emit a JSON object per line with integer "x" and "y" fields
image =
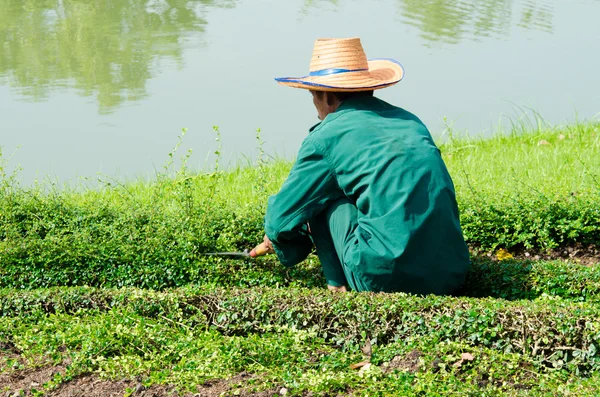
{"x": 214, "y": 388}
{"x": 23, "y": 382}
{"x": 26, "y": 381}
{"x": 587, "y": 255}
{"x": 91, "y": 386}
{"x": 409, "y": 363}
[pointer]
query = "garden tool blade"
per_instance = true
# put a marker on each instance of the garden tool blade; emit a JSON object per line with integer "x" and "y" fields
{"x": 244, "y": 254}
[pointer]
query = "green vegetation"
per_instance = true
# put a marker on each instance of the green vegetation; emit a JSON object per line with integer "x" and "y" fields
{"x": 307, "y": 339}
{"x": 513, "y": 193}
{"x": 531, "y": 189}
{"x": 113, "y": 282}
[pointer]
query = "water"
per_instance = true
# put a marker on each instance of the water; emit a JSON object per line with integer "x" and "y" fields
{"x": 90, "y": 87}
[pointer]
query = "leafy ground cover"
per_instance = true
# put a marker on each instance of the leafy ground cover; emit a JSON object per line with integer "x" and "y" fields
{"x": 305, "y": 341}
{"x": 106, "y": 291}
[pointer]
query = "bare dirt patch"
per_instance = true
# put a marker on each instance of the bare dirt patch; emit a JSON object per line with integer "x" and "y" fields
{"x": 409, "y": 363}
{"x": 587, "y": 255}
{"x": 217, "y": 387}
{"x": 23, "y": 381}
{"x": 26, "y": 381}
{"x": 584, "y": 255}
{"x": 91, "y": 386}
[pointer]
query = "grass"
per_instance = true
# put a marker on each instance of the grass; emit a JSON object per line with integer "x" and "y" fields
{"x": 544, "y": 161}
{"x": 112, "y": 282}
{"x": 549, "y": 161}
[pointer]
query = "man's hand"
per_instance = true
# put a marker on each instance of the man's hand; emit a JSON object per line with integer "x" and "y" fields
{"x": 266, "y": 247}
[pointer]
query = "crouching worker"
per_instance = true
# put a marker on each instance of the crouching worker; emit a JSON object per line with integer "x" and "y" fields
{"x": 369, "y": 188}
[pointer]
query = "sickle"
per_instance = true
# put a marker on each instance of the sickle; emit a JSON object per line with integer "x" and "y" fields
{"x": 259, "y": 250}
{"x": 244, "y": 254}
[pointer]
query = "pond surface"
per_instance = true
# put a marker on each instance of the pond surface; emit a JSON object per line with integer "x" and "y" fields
{"x": 105, "y": 86}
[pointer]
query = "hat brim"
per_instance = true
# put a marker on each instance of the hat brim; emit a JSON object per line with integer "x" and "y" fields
{"x": 382, "y": 73}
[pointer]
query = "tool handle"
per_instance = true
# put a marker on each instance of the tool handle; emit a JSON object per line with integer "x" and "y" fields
{"x": 260, "y": 250}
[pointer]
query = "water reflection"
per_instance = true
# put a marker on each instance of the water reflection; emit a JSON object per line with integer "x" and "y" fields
{"x": 104, "y": 48}
{"x": 321, "y": 4}
{"x": 537, "y": 15}
{"x": 454, "y": 20}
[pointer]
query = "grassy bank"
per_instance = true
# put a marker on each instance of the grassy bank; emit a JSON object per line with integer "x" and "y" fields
{"x": 520, "y": 192}
{"x": 109, "y": 288}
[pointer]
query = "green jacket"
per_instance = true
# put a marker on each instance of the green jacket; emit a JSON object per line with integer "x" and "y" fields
{"x": 383, "y": 159}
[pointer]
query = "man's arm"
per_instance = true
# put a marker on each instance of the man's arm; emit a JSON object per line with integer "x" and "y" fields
{"x": 310, "y": 186}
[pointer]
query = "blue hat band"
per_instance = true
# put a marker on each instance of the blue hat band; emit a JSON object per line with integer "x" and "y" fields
{"x": 327, "y": 72}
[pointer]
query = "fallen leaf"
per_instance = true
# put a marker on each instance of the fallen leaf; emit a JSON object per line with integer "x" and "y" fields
{"x": 463, "y": 357}
{"x": 365, "y": 368}
{"x": 467, "y": 357}
{"x": 360, "y": 364}
{"x": 283, "y": 391}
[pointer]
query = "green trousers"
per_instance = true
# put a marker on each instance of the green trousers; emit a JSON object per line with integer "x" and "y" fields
{"x": 332, "y": 232}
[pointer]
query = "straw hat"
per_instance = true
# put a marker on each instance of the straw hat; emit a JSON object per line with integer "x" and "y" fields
{"x": 341, "y": 65}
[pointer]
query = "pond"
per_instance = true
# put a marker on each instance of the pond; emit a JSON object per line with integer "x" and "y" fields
{"x": 105, "y": 86}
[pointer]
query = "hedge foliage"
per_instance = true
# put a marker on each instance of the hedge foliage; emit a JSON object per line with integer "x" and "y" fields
{"x": 123, "y": 345}
{"x": 553, "y": 332}
{"x": 55, "y": 239}
{"x": 508, "y": 279}
{"x": 531, "y": 222}
{"x": 516, "y": 279}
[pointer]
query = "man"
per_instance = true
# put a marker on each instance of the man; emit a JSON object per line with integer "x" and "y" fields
{"x": 369, "y": 187}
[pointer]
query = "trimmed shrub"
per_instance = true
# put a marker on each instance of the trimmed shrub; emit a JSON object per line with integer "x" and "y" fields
{"x": 552, "y": 332}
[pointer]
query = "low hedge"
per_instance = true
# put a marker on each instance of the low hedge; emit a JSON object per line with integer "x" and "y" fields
{"x": 52, "y": 233}
{"x": 125, "y": 347}
{"x": 508, "y": 279}
{"x": 524, "y": 279}
{"x": 551, "y": 331}
{"x": 530, "y": 221}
